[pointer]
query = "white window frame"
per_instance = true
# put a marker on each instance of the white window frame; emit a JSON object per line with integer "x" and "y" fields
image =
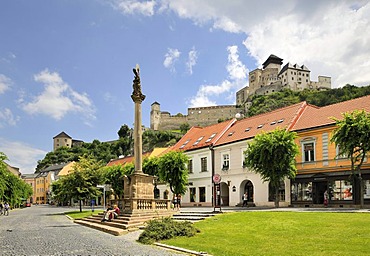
{"x": 305, "y": 142}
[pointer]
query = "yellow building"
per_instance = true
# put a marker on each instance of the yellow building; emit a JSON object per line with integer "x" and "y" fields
{"x": 320, "y": 168}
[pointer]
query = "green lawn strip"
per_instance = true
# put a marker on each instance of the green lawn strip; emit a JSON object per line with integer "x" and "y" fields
{"x": 281, "y": 233}
{"x": 79, "y": 215}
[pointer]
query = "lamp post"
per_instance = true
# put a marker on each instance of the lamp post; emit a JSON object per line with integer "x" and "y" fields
{"x": 103, "y": 187}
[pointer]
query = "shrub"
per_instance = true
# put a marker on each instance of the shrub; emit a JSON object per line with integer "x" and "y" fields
{"x": 166, "y": 228}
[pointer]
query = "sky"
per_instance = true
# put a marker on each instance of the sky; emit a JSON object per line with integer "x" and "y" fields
{"x": 67, "y": 65}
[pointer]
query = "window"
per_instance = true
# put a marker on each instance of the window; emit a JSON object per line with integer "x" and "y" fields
{"x": 309, "y": 152}
{"x": 198, "y": 140}
{"x": 202, "y": 194}
{"x": 340, "y": 155}
{"x": 203, "y": 164}
{"x": 341, "y": 190}
{"x": 281, "y": 192}
{"x": 193, "y": 195}
{"x": 302, "y": 191}
{"x": 186, "y": 142}
{"x": 225, "y": 162}
{"x": 190, "y": 166}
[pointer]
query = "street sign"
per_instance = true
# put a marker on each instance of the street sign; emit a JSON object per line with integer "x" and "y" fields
{"x": 217, "y": 178}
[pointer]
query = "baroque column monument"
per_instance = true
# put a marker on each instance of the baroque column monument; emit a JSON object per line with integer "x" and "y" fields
{"x": 139, "y": 187}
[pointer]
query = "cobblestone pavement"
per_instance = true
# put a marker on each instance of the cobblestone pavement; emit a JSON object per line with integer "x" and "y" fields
{"x": 45, "y": 230}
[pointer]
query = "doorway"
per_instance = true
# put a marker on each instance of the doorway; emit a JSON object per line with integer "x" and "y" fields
{"x": 248, "y": 187}
{"x": 318, "y": 192}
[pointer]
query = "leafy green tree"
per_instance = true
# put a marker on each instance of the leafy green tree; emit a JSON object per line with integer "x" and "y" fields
{"x": 124, "y": 131}
{"x": 173, "y": 170}
{"x": 352, "y": 135}
{"x": 81, "y": 183}
{"x": 272, "y": 155}
{"x": 184, "y": 128}
{"x": 151, "y": 166}
{"x": 12, "y": 189}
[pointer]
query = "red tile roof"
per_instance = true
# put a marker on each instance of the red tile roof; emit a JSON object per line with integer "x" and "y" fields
{"x": 250, "y": 127}
{"x": 315, "y": 117}
{"x": 125, "y": 160}
{"x": 199, "y": 137}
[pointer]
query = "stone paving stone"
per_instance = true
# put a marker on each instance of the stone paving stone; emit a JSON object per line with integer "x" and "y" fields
{"x": 44, "y": 230}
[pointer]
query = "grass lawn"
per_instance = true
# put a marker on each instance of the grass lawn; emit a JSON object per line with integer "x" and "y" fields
{"x": 79, "y": 215}
{"x": 281, "y": 233}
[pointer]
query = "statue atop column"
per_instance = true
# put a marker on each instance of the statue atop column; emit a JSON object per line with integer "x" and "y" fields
{"x": 137, "y": 95}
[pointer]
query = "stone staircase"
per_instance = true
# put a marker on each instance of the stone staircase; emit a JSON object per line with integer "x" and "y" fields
{"x": 123, "y": 224}
{"x": 193, "y": 216}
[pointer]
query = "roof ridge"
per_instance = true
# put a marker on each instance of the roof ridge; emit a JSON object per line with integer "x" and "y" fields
{"x": 346, "y": 101}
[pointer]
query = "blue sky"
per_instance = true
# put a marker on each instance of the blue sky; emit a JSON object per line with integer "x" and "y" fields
{"x": 67, "y": 65}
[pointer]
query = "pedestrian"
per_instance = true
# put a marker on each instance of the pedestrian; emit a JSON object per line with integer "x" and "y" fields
{"x": 107, "y": 213}
{"x": 245, "y": 199}
{"x": 178, "y": 201}
{"x": 6, "y": 209}
{"x": 326, "y": 198}
{"x": 1, "y": 208}
{"x": 174, "y": 201}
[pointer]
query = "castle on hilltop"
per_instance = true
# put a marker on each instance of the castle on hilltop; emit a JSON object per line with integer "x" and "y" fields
{"x": 202, "y": 116}
{"x": 271, "y": 78}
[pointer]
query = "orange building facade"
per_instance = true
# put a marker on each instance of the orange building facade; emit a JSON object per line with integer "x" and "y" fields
{"x": 320, "y": 167}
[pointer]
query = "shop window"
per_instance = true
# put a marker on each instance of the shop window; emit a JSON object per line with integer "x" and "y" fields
{"x": 302, "y": 191}
{"x": 202, "y": 194}
{"x": 192, "y": 194}
{"x": 366, "y": 189}
{"x": 203, "y": 164}
{"x": 281, "y": 192}
{"x": 309, "y": 152}
{"x": 341, "y": 190}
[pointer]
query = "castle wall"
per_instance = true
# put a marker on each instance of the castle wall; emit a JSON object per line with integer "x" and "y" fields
{"x": 169, "y": 122}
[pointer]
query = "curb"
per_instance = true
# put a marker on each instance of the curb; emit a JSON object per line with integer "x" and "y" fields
{"x": 181, "y": 249}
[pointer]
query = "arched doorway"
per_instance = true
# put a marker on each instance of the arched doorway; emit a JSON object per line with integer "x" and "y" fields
{"x": 248, "y": 187}
{"x": 224, "y": 194}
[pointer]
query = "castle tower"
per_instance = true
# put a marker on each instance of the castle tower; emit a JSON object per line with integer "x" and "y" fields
{"x": 62, "y": 140}
{"x": 155, "y": 116}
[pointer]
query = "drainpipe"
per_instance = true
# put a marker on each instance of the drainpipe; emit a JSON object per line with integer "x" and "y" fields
{"x": 213, "y": 172}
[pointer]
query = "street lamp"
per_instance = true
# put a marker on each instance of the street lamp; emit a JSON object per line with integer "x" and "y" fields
{"x": 103, "y": 187}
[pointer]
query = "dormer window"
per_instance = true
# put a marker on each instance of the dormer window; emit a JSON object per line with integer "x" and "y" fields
{"x": 183, "y": 145}
{"x": 273, "y": 122}
{"x": 281, "y": 120}
{"x": 230, "y": 134}
{"x": 247, "y": 129}
{"x": 198, "y": 140}
{"x": 260, "y": 126}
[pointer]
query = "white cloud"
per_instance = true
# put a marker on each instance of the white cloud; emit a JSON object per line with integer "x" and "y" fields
{"x": 330, "y": 37}
{"x": 171, "y": 57}
{"x": 58, "y": 99}
{"x": 145, "y": 8}
{"x": 21, "y": 155}
{"x": 5, "y": 83}
{"x": 236, "y": 69}
{"x": 237, "y": 75}
{"x": 192, "y": 60}
{"x": 7, "y": 117}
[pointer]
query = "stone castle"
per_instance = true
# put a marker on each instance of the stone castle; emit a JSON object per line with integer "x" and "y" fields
{"x": 271, "y": 78}
{"x": 202, "y": 116}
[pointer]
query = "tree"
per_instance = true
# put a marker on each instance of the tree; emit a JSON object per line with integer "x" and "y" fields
{"x": 173, "y": 170}
{"x": 184, "y": 128}
{"x": 81, "y": 183}
{"x": 12, "y": 189}
{"x": 113, "y": 175}
{"x": 272, "y": 155}
{"x": 352, "y": 136}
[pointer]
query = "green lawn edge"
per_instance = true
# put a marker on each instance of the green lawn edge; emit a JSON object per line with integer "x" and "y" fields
{"x": 280, "y": 233}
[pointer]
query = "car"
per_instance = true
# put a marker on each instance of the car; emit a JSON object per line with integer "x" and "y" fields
{"x": 27, "y": 204}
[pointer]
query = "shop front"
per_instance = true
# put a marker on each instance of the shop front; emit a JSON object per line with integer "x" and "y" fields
{"x": 307, "y": 190}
